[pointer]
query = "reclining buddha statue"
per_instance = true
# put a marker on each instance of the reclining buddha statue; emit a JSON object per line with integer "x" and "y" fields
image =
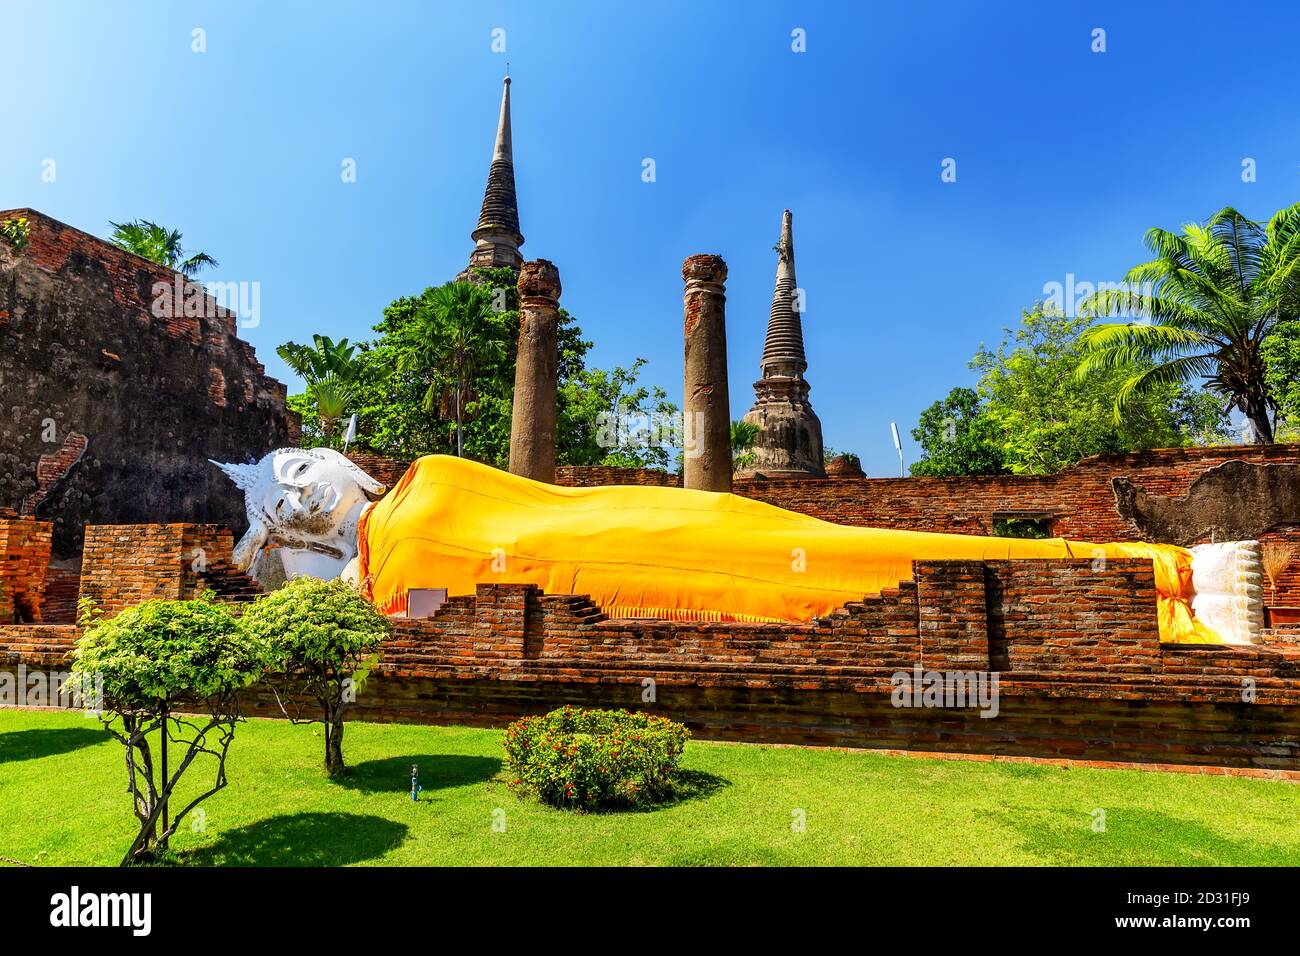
{"x": 655, "y": 551}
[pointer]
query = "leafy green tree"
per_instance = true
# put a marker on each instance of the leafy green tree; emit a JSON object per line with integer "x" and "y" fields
{"x": 459, "y": 351}
{"x": 318, "y": 639}
{"x": 958, "y": 437}
{"x": 1213, "y": 295}
{"x": 391, "y": 406}
{"x": 138, "y": 669}
{"x": 159, "y": 244}
{"x": 607, "y": 417}
{"x": 333, "y": 373}
{"x": 1281, "y": 352}
{"x": 392, "y": 416}
{"x": 1047, "y": 419}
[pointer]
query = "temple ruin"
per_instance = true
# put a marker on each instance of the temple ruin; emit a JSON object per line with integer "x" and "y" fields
{"x": 790, "y": 434}
{"x": 109, "y": 412}
{"x": 497, "y": 237}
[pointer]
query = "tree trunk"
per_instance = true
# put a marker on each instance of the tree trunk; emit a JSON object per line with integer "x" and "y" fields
{"x": 162, "y": 844}
{"x": 1261, "y": 424}
{"x": 334, "y": 741}
{"x": 459, "y": 448}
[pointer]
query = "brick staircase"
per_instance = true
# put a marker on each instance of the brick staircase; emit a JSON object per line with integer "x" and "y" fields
{"x": 37, "y": 645}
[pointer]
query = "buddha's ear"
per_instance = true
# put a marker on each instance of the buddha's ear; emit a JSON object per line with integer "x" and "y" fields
{"x": 254, "y": 539}
{"x": 372, "y": 488}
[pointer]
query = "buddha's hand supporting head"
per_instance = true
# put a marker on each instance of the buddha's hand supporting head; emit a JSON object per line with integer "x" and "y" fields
{"x": 307, "y": 499}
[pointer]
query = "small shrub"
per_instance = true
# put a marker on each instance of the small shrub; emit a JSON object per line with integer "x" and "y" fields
{"x": 319, "y": 640}
{"x": 585, "y": 759}
{"x": 171, "y": 669}
{"x": 16, "y": 232}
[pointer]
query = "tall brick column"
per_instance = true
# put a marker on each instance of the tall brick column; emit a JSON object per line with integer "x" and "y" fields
{"x": 532, "y": 420}
{"x": 707, "y": 409}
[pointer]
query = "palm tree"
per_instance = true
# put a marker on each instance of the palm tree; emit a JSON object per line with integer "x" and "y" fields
{"x": 744, "y": 436}
{"x": 333, "y": 375}
{"x": 160, "y": 245}
{"x": 456, "y": 342}
{"x": 1209, "y": 298}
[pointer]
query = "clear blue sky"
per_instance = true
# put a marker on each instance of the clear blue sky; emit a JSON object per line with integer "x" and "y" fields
{"x": 1064, "y": 158}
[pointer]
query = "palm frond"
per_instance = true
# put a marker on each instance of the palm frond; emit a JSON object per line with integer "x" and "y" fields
{"x": 1165, "y": 374}
{"x": 1243, "y": 239}
{"x": 1114, "y": 346}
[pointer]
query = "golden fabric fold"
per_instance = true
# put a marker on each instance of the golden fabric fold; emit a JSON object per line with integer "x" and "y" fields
{"x": 669, "y": 552}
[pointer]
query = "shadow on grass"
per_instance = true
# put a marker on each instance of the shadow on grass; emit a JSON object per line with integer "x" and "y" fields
{"x": 301, "y": 839}
{"x": 437, "y": 771}
{"x": 688, "y": 785}
{"x": 1133, "y": 837}
{"x": 46, "y": 742}
{"x": 691, "y": 785}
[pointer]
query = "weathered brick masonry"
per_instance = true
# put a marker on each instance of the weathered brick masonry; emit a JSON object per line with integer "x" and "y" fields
{"x": 1079, "y": 502}
{"x": 24, "y": 554}
{"x": 1076, "y": 650}
{"x": 109, "y": 412}
{"x": 1084, "y": 677}
{"x": 124, "y": 565}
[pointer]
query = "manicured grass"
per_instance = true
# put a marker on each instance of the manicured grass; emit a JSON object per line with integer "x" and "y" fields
{"x": 63, "y": 801}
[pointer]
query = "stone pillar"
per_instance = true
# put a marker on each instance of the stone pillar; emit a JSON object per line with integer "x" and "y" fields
{"x": 707, "y": 410}
{"x": 532, "y": 420}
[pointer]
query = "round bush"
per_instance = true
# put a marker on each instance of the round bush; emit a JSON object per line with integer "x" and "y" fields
{"x": 584, "y": 759}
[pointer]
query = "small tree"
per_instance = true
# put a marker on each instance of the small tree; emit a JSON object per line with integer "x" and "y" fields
{"x": 315, "y": 637}
{"x": 958, "y": 437}
{"x": 136, "y": 669}
{"x": 333, "y": 372}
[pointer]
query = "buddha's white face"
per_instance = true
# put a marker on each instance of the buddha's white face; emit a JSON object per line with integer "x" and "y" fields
{"x": 308, "y": 501}
{"x": 309, "y": 496}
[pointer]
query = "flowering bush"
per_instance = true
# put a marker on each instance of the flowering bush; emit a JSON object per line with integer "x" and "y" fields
{"x": 584, "y": 759}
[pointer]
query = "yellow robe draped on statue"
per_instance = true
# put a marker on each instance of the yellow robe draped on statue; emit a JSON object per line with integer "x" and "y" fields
{"x": 673, "y": 553}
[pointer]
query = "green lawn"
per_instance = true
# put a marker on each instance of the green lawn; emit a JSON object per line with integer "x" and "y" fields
{"x": 62, "y": 801}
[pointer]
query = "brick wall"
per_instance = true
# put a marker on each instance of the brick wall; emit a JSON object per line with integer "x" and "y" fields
{"x": 110, "y": 410}
{"x": 123, "y": 565}
{"x": 1065, "y": 615}
{"x": 586, "y": 476}
{"x": 388, "y": 471}
{"x": 24, "y": 555}
{"x": 1079, "y": 500}
{"x": 36, "y": 645}
{"x": 1082, "y": 673}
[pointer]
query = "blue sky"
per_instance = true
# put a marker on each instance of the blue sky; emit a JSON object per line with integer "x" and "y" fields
{"x": 1064, "y": 158}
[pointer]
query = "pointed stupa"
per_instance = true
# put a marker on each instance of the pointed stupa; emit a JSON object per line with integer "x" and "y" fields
{"x": 497, "y": 238}
{"x": 783, "y": 351}
{"x": 790, "y": 434}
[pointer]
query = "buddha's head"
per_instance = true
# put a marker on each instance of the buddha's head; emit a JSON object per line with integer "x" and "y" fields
{"x": 305, "y": 499}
